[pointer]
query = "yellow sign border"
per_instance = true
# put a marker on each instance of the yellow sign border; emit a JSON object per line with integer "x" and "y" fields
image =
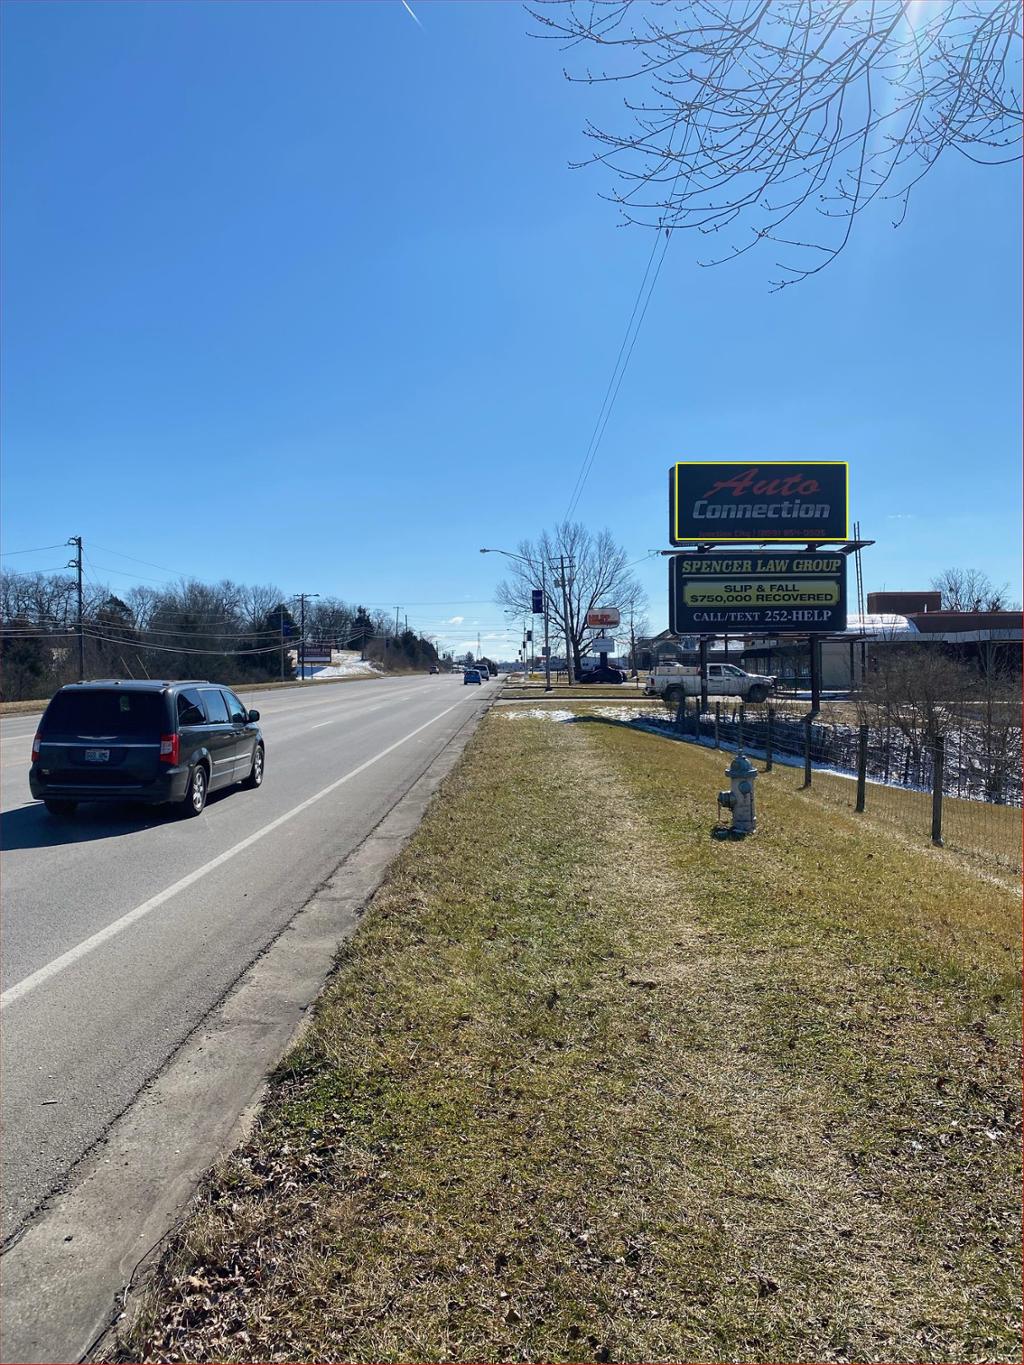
{"x": 780, "y": 540}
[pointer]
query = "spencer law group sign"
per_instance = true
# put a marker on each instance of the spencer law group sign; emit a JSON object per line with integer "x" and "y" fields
{"x": 763, "y": 500}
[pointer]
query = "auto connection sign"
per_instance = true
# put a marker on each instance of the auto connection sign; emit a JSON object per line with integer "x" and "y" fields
{"x": 764, "y": 500}
{"x": 763, "y": 592}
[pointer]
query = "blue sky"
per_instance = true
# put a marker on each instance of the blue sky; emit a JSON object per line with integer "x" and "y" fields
{"x": 306, "y": 293}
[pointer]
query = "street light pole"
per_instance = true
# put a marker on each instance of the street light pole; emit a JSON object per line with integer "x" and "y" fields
{"x": 544, "y": 597}
{"x": 569, "y": 662}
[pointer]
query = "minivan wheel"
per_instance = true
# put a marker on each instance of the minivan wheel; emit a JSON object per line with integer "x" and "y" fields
{"x": 255, "y": 778}
{"x": 61, "y": 807}
{"x": 195, "y": 797}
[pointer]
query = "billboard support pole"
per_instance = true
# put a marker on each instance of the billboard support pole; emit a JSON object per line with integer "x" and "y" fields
{"x": 815, "y": 645}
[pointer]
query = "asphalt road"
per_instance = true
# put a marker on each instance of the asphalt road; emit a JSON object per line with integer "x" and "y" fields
{"x": 122, "y": 928}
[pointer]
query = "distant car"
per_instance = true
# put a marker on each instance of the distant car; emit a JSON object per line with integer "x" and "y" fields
{"x": 434, "y": 668}
{"x": 471, "y": 675}
{"x": 603, "y": 674}
{"x": 153, "y": 742}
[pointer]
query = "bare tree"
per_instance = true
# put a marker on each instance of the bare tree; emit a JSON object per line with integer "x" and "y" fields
{"x": 971, "y": 590}
{"x": 782, "y": 120}
{"x": 921, "y": 693}
{"x": 596, "y": 575}
{"x": 256, "y": 602}
{"x": 143, "y": 601}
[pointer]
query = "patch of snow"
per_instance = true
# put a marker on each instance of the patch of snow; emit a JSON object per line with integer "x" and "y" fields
{"x": 539, "y": 713}
{"x": 344, "y": 664}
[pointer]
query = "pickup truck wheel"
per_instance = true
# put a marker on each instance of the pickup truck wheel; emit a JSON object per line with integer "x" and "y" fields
{"x": 673, "y": 695}
{"x": 757, "y": 694}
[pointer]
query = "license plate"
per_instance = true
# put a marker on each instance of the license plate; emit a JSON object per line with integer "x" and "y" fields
{"x": 97, "y": 755}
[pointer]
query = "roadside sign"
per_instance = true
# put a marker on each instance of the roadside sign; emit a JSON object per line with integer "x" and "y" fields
{"x": 758, "y": 500}
{"x": 603, "y": 644}
{"x": 603, "y": 616}
{"x": 767, "y": 592}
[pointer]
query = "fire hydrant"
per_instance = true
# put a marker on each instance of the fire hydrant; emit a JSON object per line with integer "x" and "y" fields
{"x": 740, "y": 797}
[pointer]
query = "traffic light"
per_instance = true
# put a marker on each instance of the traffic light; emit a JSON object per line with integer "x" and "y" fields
{"x": 538, "y": 602}
{"x": 529, "y": 636}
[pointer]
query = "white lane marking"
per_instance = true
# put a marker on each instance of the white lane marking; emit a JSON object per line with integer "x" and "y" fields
{"x": 336, "y": 720}
{"x": 88, "y": 945}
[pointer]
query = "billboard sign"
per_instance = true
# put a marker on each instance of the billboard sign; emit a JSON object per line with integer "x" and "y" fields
{"x": 603, "y": 616}
{"x": 603, "y": 644}
{"x": 758, "y": 500}
{"x": 764, "y": 592}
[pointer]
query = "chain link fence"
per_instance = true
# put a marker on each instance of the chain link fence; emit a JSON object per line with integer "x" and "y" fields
{"x": 960, "y": 789}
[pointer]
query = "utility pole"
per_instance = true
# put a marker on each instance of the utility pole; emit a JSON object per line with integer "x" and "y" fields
{"x": 282, "y": 642}
{"x": 569, "y": 662}
{"x": 547, "y": 639}
{"x": 302, "y": 596}
{"x": 76, "y": 563}
{"x": 397, "y": 609}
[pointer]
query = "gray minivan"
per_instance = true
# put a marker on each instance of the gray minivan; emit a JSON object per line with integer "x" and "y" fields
{"x": 152, "y": 742}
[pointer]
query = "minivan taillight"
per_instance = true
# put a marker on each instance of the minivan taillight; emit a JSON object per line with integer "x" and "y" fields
{"x": 35, "y": 748}
{"x": 169, "y": 749}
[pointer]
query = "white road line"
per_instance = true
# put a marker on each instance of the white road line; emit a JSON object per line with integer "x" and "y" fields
{"x": 94, "y": 941}
{"x": 338, "y": 720}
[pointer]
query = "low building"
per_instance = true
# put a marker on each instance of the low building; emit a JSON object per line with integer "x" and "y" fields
{"x": 654, "y": 651}
{"x": 990, "y": 639}
{"x": 903, "y": 603}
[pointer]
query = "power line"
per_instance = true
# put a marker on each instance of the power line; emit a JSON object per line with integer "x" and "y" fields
{"x": 581, "y": 476}
{"x": 135, "y": 577}
{"x": 601, "y": 427}
{"x": 177, "y": 649}
{"x": 34, "y": 551}
{"x": 135, "y": 560}
{"x": 622, "y": 361}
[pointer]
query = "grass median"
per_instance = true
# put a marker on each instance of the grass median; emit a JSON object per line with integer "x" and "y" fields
{"x": 589, "y": 1085}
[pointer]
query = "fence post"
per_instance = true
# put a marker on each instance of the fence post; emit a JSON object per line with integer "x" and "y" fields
{"x": 739, "y": 746}
{"x": 681, "y": 712}
{"x": 938, "y": 766}
{"x": 718, "y": 714}
{"x": 768, "y": 740}
{"x": 807, "y": 751}
{"x": 862, "y": 766}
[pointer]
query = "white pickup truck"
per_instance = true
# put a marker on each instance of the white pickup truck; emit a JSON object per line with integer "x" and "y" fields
{"x": 675, "y": 681}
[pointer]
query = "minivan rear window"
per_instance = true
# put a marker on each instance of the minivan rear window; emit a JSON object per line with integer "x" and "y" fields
{"x": 110, "y": 711}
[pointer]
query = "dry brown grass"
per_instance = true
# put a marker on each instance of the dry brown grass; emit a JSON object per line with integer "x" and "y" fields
{"x": 589, "y": 1085}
